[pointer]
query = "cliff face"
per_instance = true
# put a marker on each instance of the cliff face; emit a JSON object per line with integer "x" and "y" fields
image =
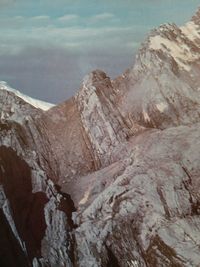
{"x": 162, "y": 88}
{"x": 30, "y": 203}
{"x": 111, "y": 176}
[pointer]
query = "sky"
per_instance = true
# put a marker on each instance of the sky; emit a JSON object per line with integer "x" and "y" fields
{"x": 48, "y": 46}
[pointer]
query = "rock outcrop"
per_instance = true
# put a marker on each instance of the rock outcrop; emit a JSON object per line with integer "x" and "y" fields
{"x": 111, "y": 176}
{"x": 34, "y": 209}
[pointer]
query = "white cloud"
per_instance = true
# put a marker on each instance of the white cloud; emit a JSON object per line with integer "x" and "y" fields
{"x": 42, "y": 17}
{"x": 22, "y": 22}
{"x": 68, "y": 17}
{"x": 102, "y": 17}
{"x": 70, "y": 38}
{"x": 70, "y": 32}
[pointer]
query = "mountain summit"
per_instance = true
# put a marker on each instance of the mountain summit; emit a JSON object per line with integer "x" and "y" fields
{"x": 110, "y": 177}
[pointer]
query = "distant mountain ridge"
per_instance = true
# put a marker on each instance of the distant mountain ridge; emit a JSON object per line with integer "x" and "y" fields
{"x": 34, "y": 102}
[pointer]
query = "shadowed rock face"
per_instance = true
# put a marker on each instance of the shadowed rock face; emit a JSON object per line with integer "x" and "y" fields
{"x": 27, "y": 208}
{"x": 111, "y": 176}
{"x": 34, "y": 210}
{"x": 11, "y": 254}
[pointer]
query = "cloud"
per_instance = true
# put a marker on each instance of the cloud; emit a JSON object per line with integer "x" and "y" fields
{"x": 41, "y": 17}
{"x": 21, "y": 23}
{"x": 55, "y": 74}
{"x": 68, "y": 17}
{"x": 71, "y": 38}
{"x": 104, "y": 16}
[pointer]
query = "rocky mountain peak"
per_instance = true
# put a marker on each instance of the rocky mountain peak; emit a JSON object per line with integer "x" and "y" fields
{"x": 95, "y": 85}
{"x": 94, "y": 77}
{"x": 175, "y": 44}
{"x": 100, "y": 119}
{"x": 165, "y": 75}
{"x": 196, "y": 18}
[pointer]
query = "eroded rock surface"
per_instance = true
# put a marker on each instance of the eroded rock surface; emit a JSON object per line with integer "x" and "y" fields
{"x": 30, "y": 202}
{"x": 111, "y": 176}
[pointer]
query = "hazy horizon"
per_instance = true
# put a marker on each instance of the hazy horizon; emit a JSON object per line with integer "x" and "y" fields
{"x": 47, "y": 47}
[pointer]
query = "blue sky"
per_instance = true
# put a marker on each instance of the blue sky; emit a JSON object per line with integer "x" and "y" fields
{"x": 48, "y": 46}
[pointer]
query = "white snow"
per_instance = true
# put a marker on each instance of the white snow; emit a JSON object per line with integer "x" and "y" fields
{"x": 161, "y": 106}
{"x": 34, "y": 102}
{"x": 133, "y": 263}
{"x": 190, "y": 29}
{"x": 85, "y": 198}
{"x": 146, "y": 116}
{"x": 177, "y": 49}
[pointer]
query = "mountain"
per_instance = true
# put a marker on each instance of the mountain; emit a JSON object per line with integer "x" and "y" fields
{"x": 111, "y": 176}
{"x": 34, "y": 102}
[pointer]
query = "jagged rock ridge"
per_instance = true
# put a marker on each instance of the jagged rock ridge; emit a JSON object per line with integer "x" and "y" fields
{"x": 111, "y": 176}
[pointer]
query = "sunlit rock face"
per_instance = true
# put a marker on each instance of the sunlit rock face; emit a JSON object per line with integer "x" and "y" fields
{"x": 111, "y": 176}
{"x": 162, "y": 88}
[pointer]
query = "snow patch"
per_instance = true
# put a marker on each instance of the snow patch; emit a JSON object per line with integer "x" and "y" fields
{"x": 146, "y": 116}
{"x": 161, "y": 106}
{"x": 85, "y": 198}
{"x": 179, "y": 51}
{"x": 133, "y": 263}
{"x": 34, "y": 102}
{"x": 191, "y": 30}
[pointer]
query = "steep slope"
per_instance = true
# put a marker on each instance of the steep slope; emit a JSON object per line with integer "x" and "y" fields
{"x": 124, "y": 153}
{"x": 87, "y": 132}
{"x": 11, "y": 253}
{"x": 34, "y": 102}
{"x": 36, "y": 213}
{"x": 162, "y": 88}
{"x": 143, "y": 209}
{"x": 146, "y": 213}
